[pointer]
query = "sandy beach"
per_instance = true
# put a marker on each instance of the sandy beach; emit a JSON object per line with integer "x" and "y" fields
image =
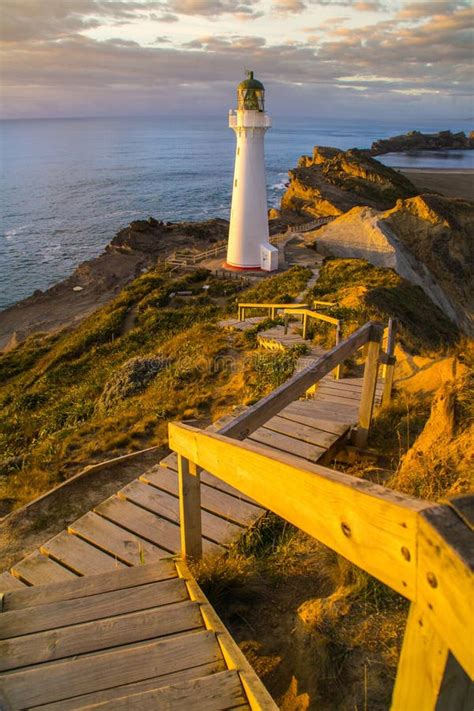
{"x": 452, "y": 183}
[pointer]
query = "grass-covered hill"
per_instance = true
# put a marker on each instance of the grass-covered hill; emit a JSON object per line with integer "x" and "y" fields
{"x": 110, "y": 385}
{"x": 319, "y": 632}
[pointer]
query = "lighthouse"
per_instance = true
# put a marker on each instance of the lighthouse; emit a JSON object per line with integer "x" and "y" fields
{"x": 248, "y": 246}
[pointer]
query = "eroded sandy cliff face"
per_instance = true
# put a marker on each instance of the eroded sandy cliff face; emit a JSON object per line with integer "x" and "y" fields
{"x": 427, "y": 239}
{"x": 331, "y": 182}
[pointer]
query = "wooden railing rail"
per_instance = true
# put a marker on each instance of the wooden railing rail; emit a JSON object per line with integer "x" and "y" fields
{"x": 305, "y": 227}
{"x": 316, "y": 302}
{"x": 296, "y": 386}
{"x": 183, "y": 258}
{"x": 270, "y": 307}
{"x": 421, "y": 550}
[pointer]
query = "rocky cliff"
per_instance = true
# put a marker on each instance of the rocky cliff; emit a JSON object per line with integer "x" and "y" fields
{"x": 156, "y": 238}
{"x": 426, "y": 239}
{"x": 417, "y": 141}
{"x": 132, "y": 251}
{"x": 331, "y": 182}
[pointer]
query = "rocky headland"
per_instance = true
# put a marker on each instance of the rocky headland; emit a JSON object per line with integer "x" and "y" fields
{"x": 134, "y": 249}
{"x": 417, "y": 141}
{"x": 380, "y": 216}
{"x": 331, "y": 182}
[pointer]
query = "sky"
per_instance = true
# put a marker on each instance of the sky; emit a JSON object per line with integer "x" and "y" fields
{"x": 327, "y": 58}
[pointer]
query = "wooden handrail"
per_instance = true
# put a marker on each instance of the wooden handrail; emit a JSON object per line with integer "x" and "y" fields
{"x": 272, "y": 308}
{"x": 419, "y": 549}
{"x": 296, "y": 386}
{"x": 255, "y": 305}
{"x": 315, "y": 314}
{"x": 316, "y": 302}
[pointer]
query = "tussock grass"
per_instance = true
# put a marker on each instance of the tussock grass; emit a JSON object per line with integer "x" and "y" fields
{"x": 365, "y": 292}
{"x": 282, "y": 288}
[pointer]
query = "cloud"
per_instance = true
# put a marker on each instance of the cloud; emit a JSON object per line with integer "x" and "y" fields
{"x": 288, "y": 6}
{"x": 212, "y": 8}
{"x": 29, "y": 19}
{"x": 51, "y": 68}
{"x": 423, "y": 9}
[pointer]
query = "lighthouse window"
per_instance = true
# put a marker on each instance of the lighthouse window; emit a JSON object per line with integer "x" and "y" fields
{"x": 238, "y": 151}
{"x": 235, "y": 183}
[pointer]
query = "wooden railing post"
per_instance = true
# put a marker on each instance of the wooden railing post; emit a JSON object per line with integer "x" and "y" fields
{"x": 189, "y": 509}
{"x": 287, "y": 318}
{"x": 305, "y": 326}
{"x": 337, "y": 370}
{"x": 369, "y": 385}
{"x": 390, "y": 365}
{"x": 421, "y": 665}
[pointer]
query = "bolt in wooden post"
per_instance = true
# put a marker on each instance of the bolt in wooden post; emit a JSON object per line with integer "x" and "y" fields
{"x": 390, "y": 366}
{"x": 368, "y": 386}
{"x": 189, "y": 509}
{"x": 337, "y": 369}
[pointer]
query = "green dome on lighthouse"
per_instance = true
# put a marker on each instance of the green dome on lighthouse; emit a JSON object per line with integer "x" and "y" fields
{"x": 251, "y": 94}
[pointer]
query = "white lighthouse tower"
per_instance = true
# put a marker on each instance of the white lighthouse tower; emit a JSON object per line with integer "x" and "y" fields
{"x": 248, "y": 246}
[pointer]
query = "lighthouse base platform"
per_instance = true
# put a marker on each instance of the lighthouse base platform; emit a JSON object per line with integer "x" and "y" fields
{"x": 236, "y": 268}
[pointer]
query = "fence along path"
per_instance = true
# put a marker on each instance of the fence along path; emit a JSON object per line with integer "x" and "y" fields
{"x": 140, "y": 523}
{"x": 144, "y": 523}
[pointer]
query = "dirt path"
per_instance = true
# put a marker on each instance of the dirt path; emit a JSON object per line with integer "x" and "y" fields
{"x": 27, "y": 528}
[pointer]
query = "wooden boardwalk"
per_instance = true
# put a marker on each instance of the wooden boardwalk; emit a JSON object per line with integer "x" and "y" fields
{"x": 139, "y": 638}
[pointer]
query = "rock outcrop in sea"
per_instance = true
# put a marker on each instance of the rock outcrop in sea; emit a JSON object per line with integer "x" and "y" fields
{"x": 417, "y": 141}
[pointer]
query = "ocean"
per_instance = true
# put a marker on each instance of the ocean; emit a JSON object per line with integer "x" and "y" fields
{"x": 68, "y": 185}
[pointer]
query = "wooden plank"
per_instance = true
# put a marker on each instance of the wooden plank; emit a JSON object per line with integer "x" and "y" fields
{"x": 258, "y": 697}
{"x": 213, "y": 500}
{"x": 338, "y": 412}
{"x": 89, "y": 585}
{"x": 79, "y": 555}
{"x": 57, "y": 680}
{"x": 116, "y": 692}
{"x": 336, "y": 399}
{"x": 190, "y": 519}
{"x": 145, "y": 524}
{"x": 294, "y": 387}
{"x": 9, "y": 582}
{"x": 370, "y": 525}
{"x": 326, "y": 425}
{"x": 211, "y": 693}
{"x": 340, "y": 392}
{"x": 171, "y": 462}
{"x": 421, "y": 666}
{"x": 93, "y": 607}
{"x": 116, "y": 541}
{"x": 214, "y": 528}
{"x": 282, "y": 443}
{"x": 446, "y": 581}
{"x": 38, "y": 569}
{"x": 306, "y": 433}
{"x": 97, "y": 635}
